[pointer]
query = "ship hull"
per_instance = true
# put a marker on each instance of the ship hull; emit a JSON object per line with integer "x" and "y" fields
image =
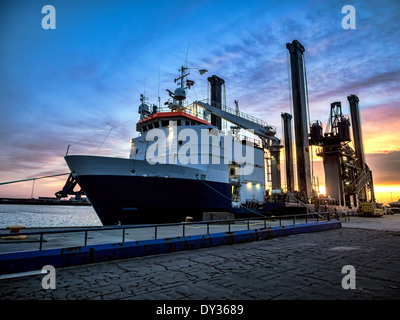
{"x": 120, "y": 196}
{"x": 132, "y": 200}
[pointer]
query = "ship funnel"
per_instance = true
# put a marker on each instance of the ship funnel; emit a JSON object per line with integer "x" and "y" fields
{"x": 216, "y": 97}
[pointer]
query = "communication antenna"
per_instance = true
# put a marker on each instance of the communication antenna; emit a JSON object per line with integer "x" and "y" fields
{"x": 187, "y": 52}
{"x": 144, "y": 89}
{"x": 159, "y": 99}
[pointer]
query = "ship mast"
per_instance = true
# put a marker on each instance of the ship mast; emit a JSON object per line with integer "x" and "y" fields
{"x": 180, "y": 92}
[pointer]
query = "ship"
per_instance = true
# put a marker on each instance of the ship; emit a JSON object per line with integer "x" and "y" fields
{"x": 181, "y": 163}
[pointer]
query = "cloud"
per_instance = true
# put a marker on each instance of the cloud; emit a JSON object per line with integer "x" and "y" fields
{"x": 380, "y": 128}
{"x": 382, "y": 83}
{"x": 385, "y": 167}
{"x": 85, "y": 78}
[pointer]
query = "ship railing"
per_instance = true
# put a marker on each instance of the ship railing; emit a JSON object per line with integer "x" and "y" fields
{"x": 193, "y": 110}
{"x": 190, "y": 109}
{"x": 229, "y": 225}
{"x": 244, "y": 116}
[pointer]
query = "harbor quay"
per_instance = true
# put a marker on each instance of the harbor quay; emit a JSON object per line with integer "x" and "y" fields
{"x": 359, "y": 261}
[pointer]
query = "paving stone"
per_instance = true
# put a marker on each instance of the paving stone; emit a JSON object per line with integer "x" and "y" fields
{"x": 287, "y": 268}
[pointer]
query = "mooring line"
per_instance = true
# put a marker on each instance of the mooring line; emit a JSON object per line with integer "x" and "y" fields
{"x": 29, "y": 179}
{"x": 228, "y": 197}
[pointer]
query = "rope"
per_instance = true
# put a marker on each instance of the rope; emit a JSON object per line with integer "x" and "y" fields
{"x": 228, "y": 197}
{"x": 29, "y": 179}
{"x": 96, "y": 134}
{"x": 104, "y": 140}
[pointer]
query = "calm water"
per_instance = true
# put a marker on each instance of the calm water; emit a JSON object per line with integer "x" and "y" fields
{"x": 47, "y": 216}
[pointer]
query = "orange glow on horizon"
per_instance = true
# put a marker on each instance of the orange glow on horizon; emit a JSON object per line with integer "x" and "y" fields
{"x": 384, "y": 193}
{"x": 379, "y": 125}
{"x": 387, "y": 193}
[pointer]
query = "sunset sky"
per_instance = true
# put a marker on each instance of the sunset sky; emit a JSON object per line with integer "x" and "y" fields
{"x": 80, "y": 83}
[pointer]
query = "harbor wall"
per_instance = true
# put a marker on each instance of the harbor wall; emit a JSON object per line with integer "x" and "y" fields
{"x": 24, "y": 261}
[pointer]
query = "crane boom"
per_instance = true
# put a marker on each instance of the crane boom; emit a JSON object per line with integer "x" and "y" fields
{"x": 245, "y": 121}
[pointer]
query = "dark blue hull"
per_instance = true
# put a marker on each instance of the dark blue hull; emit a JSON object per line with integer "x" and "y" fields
{"x": 137, "y": 200}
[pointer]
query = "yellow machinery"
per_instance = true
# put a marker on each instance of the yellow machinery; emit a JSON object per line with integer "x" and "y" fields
{"x": 370, "y": 209}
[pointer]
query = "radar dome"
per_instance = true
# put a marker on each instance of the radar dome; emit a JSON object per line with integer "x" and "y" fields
{"x": 180, "y": 94}
{"x": 144, "y": 108}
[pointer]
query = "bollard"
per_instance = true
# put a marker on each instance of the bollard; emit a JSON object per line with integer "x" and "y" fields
{"x": 15, "y": 229}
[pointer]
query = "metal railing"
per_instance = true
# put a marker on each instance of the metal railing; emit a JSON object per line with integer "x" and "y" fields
{"x": 187, "y": 108}
{"x": 249, "y": 117}
{"x": 241, "y": 114}
{"x": 288, "y": 219}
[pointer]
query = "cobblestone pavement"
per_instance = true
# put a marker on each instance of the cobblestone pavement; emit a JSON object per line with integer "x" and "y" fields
{"x": 305, "y": 266}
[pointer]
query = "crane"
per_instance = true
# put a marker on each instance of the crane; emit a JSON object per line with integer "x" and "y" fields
{"x": 265, "y": 131}
{"x": 242, "y": 120}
